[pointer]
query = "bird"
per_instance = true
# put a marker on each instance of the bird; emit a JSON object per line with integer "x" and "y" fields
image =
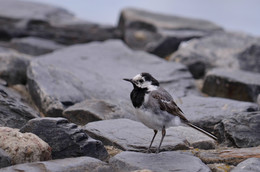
{"x": 155, "y": 107}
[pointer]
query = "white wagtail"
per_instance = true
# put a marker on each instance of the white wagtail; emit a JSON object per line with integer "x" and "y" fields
{"x": 155, "y": 107}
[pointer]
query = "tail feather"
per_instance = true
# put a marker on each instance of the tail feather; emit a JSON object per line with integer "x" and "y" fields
{"x": 201, "y": 130}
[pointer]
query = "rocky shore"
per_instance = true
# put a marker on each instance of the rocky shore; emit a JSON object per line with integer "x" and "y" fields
{"x": 64, "y": 106}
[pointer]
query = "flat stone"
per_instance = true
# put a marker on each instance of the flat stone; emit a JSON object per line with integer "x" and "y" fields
{"x": 217, "y": 50}
{"x": 80, "y": 164}
{"x": 168, "y": 161}
{"x": 249, "y": 165}
{"x": 134, "y": 136}
{"x": 34, "y": 46}
{"x": 65, "y": 139}
{"x": 23, "y": 147}
{"x": 233, "y": 84}
{"x": 96, "y": 71}
{"x": 5, "y": 159}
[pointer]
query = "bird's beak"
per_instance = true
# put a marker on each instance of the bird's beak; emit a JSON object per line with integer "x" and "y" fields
{"x": 129, "y": 80}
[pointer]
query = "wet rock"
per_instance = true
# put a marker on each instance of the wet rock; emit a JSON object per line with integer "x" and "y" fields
{"x": 134, "y": 136}
{"x": 23, "y": 147}
{"x": 35, "y": 46}
{"x": 249, "y": 165}
{"x": 234, "y": 84}
{"x": 218, "y": 50}
{"x": 13, "y": 112}
{"x": 13, "y": 66}
{"x": 66, "y": 139}
{"x": 49, "y": 22}
{"x": 80, "y": 164}
{"x": 241, "y": 129}
{"x": 5, "y": 159}
{"x": 95, "y": 71}
{"x": 160, "y": 34}
{"x": 168, "y": 161}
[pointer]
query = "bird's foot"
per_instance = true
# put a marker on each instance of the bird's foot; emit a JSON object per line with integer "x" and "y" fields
{"x": 148, "y": 151}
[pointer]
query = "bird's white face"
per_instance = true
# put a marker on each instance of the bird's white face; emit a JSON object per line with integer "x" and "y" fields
{"x": 140, "y": 82}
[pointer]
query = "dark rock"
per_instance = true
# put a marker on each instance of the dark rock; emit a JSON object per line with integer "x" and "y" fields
{"x": 134, "y": 136}
{"x": 49, "y": 22}
{"x": 80, "y": 164}
{"x": 95, "y": 71}
{"x": 5, "y": 159}
{"x": 66, "y": 139}
{"x": 13, "y": 112}
{"x": 160, "y": 34}
{"x": 13, "y": 66}
{"x": 249, "y": 165}
{"x": 217, "y": 50}
{"x": 242, "y": 129}
{"x": 34, "y": 46}
{"x": 166, "y": 161}
{"x": 234, "y": 84}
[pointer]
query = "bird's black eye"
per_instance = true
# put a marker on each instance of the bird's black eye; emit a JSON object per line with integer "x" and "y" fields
{"x": 141, "y": 81}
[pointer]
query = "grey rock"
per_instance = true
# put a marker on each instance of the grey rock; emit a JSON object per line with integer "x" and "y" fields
{"x": 34, "y": 46}
{"x": 95, "y": 71}
{"x": 249, "y": 165}
{"x": 217, "y": 50}
{"x": 13, "y": 112}
{"x": 5, "y": 159}
{"x": 65, "y": 139}
{"x": 13, "y": 66}
{"x": 164, "y": 161}
{"x": 233, "y": 84}
{"x": 241, "y": 130}
{"x": 134, "y": 136}
{"x": 80, "y": 164}
{"x": 160, "y": 34}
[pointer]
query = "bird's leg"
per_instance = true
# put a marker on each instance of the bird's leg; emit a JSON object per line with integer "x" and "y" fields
{"x": 155, "y": 132}
{"x": 163, "y": 134}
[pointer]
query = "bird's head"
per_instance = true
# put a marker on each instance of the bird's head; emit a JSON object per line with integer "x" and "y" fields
{"x": 144, "y": 81}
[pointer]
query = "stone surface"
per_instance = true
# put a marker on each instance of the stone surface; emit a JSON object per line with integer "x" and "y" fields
{"x": 249, "y": 165}
{"x": 13, "y": 111}
{"x": 49, "y": 22}
{"x": 168, "y": 161}
{"x": 80, "y": 164}
{"x": 160, "y": 34}
{"x": 233, "y": 84}
{"x": 5, "y": 159}
{"x": 34, "y": 46}
{"x": 241, "y": 129}
{"x": 13, "y": 66}
{"x": 134, "y": 136}
{"x": 23, "y": 147}
{"x": 221, "y": 167}
{"x": 218, "y": 50}
{"x": 66, "y": 139}
{"x": 96, "y": 71}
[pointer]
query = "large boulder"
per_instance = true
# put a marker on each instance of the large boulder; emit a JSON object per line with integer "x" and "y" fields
{"x": 96, "y": 71}
{"x": 249, "y": 165}
{"x": 65, "y": 139}
{"x": 158, "y": 33}
{"x": 223, "y": 49}
{"x": 23, "y": 147}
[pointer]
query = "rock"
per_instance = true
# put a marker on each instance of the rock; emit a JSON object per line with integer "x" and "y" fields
{"x": 49, "y": 22}
{"x": 66, "y": 139}
{"x": 35, "y": 46}
{"x": 160, "y": 34}
{"x": 218, "y": 50}
{"x": 249, "y": 165}
{"x": 168, "y": 161}
{"x": 13, "y": 66}
{"x": 5, "y": 159}
{"x": 13, "y": 112}
{"x": 234, "y": 84}
{"x": 95, "y": 71}
{"x": 230, "y": 156}
{"x": 221, "y": 167}
{"x": 130, "y": 135}
{"x": 241, "y": 129}
{"x": 80, "y": 164}
{"x": 23, "y": 147}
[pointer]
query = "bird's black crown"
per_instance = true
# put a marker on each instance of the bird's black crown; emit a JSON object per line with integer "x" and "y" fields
{"x": 149, "y": 77}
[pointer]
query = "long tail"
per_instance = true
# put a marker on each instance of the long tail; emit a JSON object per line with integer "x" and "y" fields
{"x": 201, "y": 130}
